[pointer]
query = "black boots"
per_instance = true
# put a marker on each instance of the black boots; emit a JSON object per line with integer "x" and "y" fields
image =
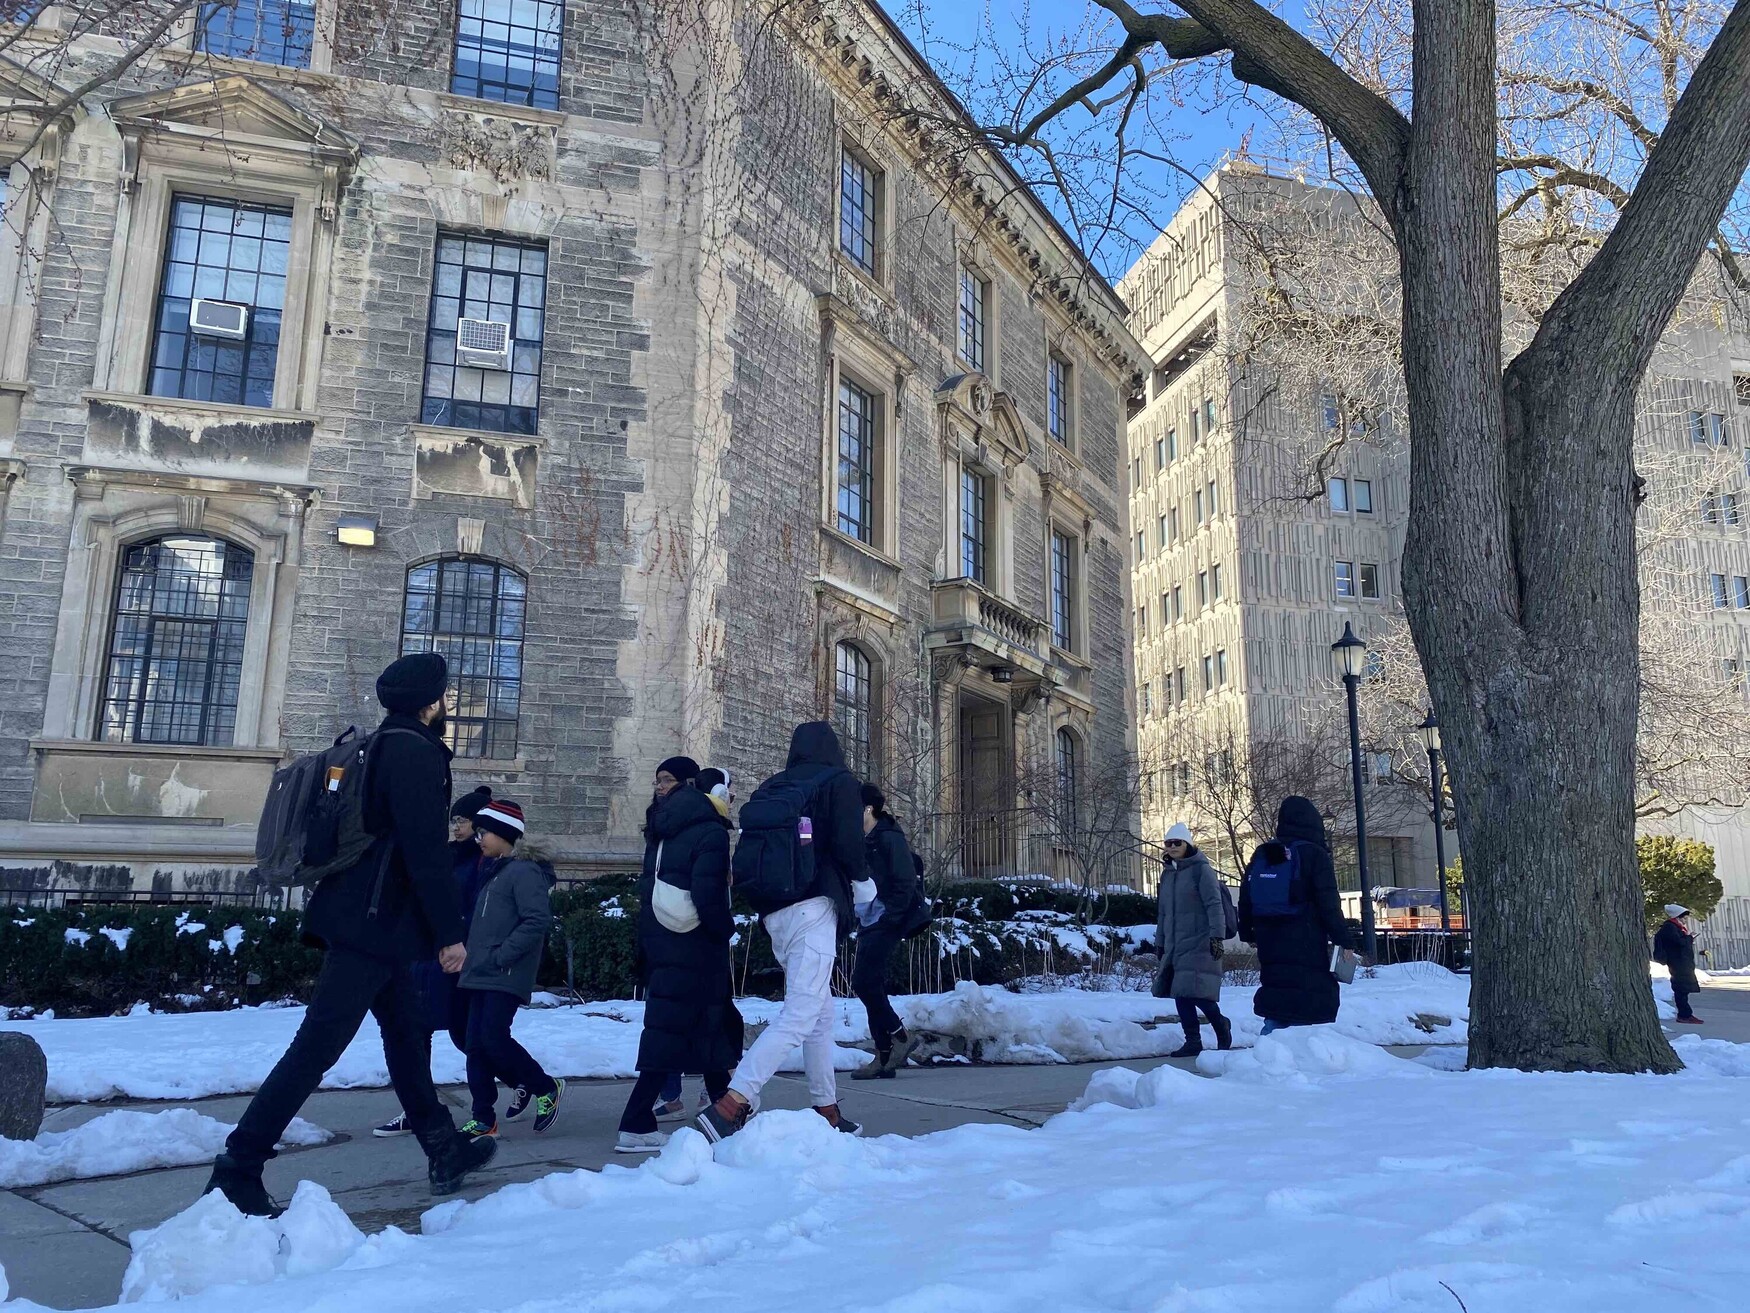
{"x": 242, "y": 1187}
{"x": 1224, "y": 1032}
{"x": 453, "y": 1155}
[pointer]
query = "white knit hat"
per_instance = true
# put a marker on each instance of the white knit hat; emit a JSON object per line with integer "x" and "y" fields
{"x": 1675, "y": 910}
{"x": 1181, "y": 832}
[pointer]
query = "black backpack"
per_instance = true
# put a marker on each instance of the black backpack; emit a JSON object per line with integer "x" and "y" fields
{"x": 772, "y": 864}
{"x": 1230, "y": 915}
{"x": 313, "y": 821}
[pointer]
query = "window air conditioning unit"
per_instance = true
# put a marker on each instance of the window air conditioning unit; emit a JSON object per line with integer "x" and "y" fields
{"x": 483, "y": 343}
{"x": 218, "y": 319}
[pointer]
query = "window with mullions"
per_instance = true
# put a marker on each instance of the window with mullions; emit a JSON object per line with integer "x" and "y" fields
{"x": 1068, "y": 777}
{"x": 508, "y": 51}
{"x": 972, "y": 525}
{"x": 471, "y": 612}
{"x": 859, "y": 210}
{"x": 856, "y": 491}
{"x": 972, "y": 318}
{"x": 176, "y": 645}
{"x": 1057, "y": 390}
{"x": 229, "y": 251}
{"x": 1063, "y": 590}
{"x": 853, "y": 706}
{"x": 267, "y": 31}
{"x": 496, "y": 280}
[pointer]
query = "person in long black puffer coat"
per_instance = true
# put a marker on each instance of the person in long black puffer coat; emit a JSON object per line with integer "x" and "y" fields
{"x": 690, "y": 1020}
{"x": 1294, "y": 952}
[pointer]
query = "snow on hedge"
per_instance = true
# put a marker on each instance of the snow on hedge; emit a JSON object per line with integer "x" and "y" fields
{"x": 198, "y": 1054}
{"x": 119, "y": 1142}
{"x": 1311, "y": 1173}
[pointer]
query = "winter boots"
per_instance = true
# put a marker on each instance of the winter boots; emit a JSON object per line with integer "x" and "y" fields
{"x": 724, "y": 1118}
{"x": 1224, "y": 1032}
{"x": 887, "y": 1064}
{"x": 838, "y": 1121}
{"x": 242, "y": 1187}
{"x": 453, "y": 1155}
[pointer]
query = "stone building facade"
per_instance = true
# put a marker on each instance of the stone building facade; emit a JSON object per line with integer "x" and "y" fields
{"x": 1249, "y": 558}
{"x": 660, "y": 364}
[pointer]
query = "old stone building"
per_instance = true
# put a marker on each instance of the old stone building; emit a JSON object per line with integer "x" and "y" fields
{"x": 1270, "y": 497}
{"x": 660, "y": 364}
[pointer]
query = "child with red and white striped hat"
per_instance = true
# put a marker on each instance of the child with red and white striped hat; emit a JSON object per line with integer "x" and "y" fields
{"x": 510, "y": 924}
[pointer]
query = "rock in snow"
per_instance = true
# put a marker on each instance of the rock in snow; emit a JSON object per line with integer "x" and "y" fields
{"x": 24, "y": 1078}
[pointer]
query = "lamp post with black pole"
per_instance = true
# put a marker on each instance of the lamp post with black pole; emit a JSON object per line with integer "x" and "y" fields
{"x": 1430, "y": 731}
{"x": 1349, "y": 656}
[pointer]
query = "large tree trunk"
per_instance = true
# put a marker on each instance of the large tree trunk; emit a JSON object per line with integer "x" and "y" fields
{"x": 1521, "y": 590}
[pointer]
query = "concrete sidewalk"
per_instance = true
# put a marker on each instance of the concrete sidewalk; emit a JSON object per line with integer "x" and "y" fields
{"x": 66, "y": 1245}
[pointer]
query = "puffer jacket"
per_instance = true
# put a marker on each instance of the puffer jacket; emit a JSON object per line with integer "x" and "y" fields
{"x": 895, "y": 875}
{"x": 511, "y": 918}
{"x": 1294, "y": 953}
{"x": 1674, "y": 948}
{"x": 1190, "y": 916}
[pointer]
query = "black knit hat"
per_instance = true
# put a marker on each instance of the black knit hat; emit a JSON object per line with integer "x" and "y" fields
{"x": 682, "y": 768}
{"x": 413, "y": 682}
{"x": 469, "y": 804}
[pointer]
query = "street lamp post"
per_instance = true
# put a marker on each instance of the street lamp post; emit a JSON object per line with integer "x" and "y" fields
{"x": 1430, "y": 731}
{"x": 1349, "y": 656}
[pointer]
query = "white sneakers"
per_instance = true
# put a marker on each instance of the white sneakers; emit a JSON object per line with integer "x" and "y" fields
{"x": 633, "y": 1143}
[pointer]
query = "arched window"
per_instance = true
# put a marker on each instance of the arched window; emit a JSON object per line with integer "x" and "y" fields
{"x": 472, "y": 613}
{"x": 853, "y": 708}
{"x": 176, "y": 642}
{"x": 1068, "y": 776}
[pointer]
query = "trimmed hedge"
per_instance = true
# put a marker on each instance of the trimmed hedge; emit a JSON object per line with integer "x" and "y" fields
{"x": 99, "y": 959}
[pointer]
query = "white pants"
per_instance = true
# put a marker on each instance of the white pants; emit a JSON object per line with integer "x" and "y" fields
{"x": 805, "y": 942}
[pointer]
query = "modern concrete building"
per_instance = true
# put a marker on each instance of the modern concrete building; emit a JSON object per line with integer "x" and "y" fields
{"x": 666, "y": 368}
{"x": 1269, "y": 511}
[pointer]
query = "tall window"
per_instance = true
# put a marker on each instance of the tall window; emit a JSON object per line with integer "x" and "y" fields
{"x": 973, "y": 292}
{"x": 176, "y": 647}
{"x": 1345, "y": 578}
{"x": 1172, "y": 444}
{"x": 1707, "y": 428}
{"x": 853, "y": 703}
{"x": 221, "y": 251}
{"x": 859, "y": 210}
{"x": 1717, "y": 585}
{"x": 1741, "y": 592}
{"x": 1729, "y": 507}
{"x": 1173, "y": 522}
{"x": 500, "y": 287}
{"x": 1139, "y": 547}
{"x": 1331, "y": 412}
{"x": 1178, "y": 603}
{"x": 1202, "y": 589}
{"x": 1162, "y": 526}
{"x": 1148, "y": 698}
{"x": 1197, "y": 505}
{"x": 972, "y": 525}
{"x": 1214, "y": 506}
{"x": 1208, "y": 417}
{"x": 472, "y": 613}
{"x": 1209, "y": 674}
{"x": 1369, "y": 578}
{"x": 1339, "y": 493}
{"x": 857, "y": 433}
{"x": 268, "y": 31}
{"x": 1057, "y": 394}
{"x": 1364, "y": 496}
{"x": 1069, "y": 771}
{"x": 1221, "y": 668}
{"x": 1179, "y": 683}
{"x": 1215, "y": 582}
{"x": 508, "y": 50}
{"x": 1063, "y": 590}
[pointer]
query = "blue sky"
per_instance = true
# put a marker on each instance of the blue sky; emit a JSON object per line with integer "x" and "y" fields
{"x": 962, "y": 38}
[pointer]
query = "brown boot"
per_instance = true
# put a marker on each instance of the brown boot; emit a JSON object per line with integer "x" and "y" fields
{"x": 838, "y": 1121}
{"x": 725, "y": 1117}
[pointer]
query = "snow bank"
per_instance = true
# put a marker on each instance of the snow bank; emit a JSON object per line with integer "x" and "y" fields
{"x": 210, "y": 1244}
{"x": 198, "y": 1054}
{"x": 1312, "y": 1173}
{"x": 119, "y": 1142}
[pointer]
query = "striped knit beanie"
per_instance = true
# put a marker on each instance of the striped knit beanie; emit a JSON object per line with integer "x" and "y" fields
{"x": 502, "y": 817}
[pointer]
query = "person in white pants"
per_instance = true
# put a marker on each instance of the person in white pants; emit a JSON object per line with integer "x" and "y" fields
{"x": 804, "y": 926}
{"x": 805, "y": 942}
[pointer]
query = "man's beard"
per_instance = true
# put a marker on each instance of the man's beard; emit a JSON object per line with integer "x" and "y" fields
{"x": 439, "y": 724}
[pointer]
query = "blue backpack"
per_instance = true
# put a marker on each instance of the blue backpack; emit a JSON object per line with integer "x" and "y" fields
{"x": 772, "y": 864}
{"x": 1276, "y": 887}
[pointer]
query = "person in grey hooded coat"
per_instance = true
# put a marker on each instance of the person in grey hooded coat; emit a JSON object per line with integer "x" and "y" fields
{"x": 1190, "y": 928}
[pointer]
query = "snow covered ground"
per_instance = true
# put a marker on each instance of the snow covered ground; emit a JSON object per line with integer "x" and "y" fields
{"x": 119, "y": 1142}
{"x": 193, "y": 1055}
{"x": 1313, "y": 1172}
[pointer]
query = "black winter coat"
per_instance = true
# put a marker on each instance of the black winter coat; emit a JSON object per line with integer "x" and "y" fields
{"x": 836, "y": 808}
{"x": 890, "y": 866}
{"x": 690, "y": 1020}
{"x": 1294, "y": 953}
{"x": 437, "y": 989}
{"x": 400, "y": 902}
{"x": 1674, "y": 947}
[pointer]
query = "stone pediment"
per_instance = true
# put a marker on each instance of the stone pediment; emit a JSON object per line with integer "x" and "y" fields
{"x": 974, "y": 413}
{"x": 22, "y": 91}
{"x": 232, "y": 113}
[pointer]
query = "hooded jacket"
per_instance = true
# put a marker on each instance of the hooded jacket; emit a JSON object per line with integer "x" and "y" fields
{"x": 511, "y": 919}
{"x": 1674, "y": 948}
{"x": 1189, "y": 917}
{"x": 690, "y": 1021}
{"x": 890, "y": 866}
{"x": 1294, "y": 953}
{"x": 836, "y": 809}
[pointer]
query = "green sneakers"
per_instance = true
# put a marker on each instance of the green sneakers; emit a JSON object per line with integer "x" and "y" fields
{"x": 475, "y": 1129}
